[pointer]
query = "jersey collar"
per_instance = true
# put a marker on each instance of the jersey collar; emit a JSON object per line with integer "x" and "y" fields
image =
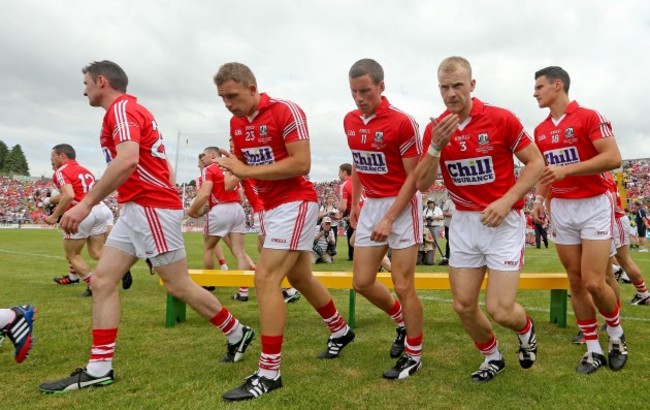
{"x": 570, "y": 109}
{"x": 265, "y": 102}
{"x": 382, "y": 109}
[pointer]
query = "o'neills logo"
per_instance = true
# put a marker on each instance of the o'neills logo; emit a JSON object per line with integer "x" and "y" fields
{"x": 278, "y": 240}
{"x": 258, "y": 156}
{"x": 471, "y": 171}
{"x": 370, "y": 162}
{"x": 562, "y": 156}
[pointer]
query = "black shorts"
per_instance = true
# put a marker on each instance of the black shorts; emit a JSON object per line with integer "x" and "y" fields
{"x": 641, "y": 229}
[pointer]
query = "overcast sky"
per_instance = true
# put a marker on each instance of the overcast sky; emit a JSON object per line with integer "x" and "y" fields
{"x": 302, "y": 51}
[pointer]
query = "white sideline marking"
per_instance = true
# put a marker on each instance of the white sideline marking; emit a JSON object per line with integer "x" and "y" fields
{"x": 533, "y": 309}
{"x": 31, "y": 254}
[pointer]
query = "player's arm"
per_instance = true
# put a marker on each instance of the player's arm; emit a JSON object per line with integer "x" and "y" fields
{"x": 383, "y": 228}
{"x": 172, "y": 175}
{"x": 496, "y": 212}
{"x": 230, "y": 181}
{"x": 54, "y": 200}
{"x": 200, "y": 199}
{"x": 342, "y": 205}
{"x": 63, "y": 202}
{"x": 608, "y": 158}
{"x": 117, "y": 172}
{"x": 242, "y": 195}
{"x": 427, "y": 170}
{"x": 355, "y": 209}
{"x": 297, "y": 163}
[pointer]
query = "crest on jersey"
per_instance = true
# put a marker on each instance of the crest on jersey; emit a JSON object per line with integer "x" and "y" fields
{"x": 263, "y": 130}
{"x": 568, "y": 133}
{"x": 379, "y": 136}
{"x": 483, "y": 138}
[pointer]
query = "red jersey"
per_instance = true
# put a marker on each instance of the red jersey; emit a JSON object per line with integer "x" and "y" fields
{"x": 251, "y": 194}
{"x": 378, "y": 144}
{"x": 570, "y": 140}
{"x": 478, "y": 166}
{"x": 74, "y": 174}
{"x": 346, "y": 193}
{"x": 148, "y": 185}
{"x": 262, "y": 138}
{"x": 219, "y": 195}
{"x": 613, "y": 188}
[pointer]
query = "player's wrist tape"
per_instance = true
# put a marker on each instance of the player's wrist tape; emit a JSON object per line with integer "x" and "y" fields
{"x": 539, "y": 198}
{"x": 433, "y": 151}
{"x": 46, "y": 201}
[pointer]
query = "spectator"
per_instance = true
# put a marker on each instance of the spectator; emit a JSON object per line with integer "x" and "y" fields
{"x": 324, "y": 248}
{"x": 426, "y": 255}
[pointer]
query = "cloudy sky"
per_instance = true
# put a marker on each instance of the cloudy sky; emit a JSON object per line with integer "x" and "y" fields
{"x": 301, "y": 51}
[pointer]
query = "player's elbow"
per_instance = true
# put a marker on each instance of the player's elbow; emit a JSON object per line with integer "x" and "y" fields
{"x": 615, "y": 160}
{"x": 302, "y": 166}
{"x": 423, "y": 184}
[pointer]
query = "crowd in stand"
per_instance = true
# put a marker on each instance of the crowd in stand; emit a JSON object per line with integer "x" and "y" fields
{"x": 20, "y": 200}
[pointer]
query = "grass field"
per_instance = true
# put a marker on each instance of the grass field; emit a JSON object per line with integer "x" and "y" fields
{"x": 160, "y": 368}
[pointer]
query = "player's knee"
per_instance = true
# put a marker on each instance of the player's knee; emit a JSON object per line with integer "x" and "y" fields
{"x": 500, "y": 313}
{"x": 463, "y": 306}
{"x": 265, "y": 281}
{"x": 362, "y": 285}
{"x": 594, "y": 285}
{"x": 404, "y": 289}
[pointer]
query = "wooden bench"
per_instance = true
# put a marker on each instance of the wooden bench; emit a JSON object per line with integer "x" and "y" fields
{"x": 557, "y": 283}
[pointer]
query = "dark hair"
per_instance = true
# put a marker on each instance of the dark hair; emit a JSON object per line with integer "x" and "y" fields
{"x": 553, "y": 73}
{"x": 116, "y": 77}
{"x": 367, "y": 66}
{"x": 346, "y": 167}
{"x": 65, "y": 149}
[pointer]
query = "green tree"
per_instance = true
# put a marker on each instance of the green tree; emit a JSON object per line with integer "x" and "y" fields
{"x": 16, "y": 162}
{"x": 3, "y": 154}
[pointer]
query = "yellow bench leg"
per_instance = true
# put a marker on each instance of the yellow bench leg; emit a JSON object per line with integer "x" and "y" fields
{"x": 176, "y": 311}
{"x": 559, "y": 307}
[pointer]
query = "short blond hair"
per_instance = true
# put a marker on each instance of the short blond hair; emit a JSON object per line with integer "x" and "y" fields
{"x": 451, "y": 64}
{"x": 237, "y": 72}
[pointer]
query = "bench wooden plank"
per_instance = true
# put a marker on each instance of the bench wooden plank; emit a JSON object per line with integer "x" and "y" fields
{"x": 557, "y": 283}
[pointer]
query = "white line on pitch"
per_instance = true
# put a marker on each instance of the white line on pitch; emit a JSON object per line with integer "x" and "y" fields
{"x": 533, "y": 309}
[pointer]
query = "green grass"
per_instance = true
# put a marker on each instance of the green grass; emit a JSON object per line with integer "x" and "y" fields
{"x": 179, "y": 367}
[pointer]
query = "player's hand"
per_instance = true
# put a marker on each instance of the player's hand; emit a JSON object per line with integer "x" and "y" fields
{"x": 353, "y": 218}
{"x": 494, "y": 214}
{"x": 443, "y": 130}
{"x": 51, "y": 220}
{"x": 552, "y": 174}
{"x": 73, "y": 217}
{"x": 381, "y": 231}
{"x": 229, "y": 162}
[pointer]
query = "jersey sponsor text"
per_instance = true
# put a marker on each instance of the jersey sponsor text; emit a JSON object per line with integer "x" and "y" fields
{"x": 471, "y": 171}
{"x": 258, "y": 155}
{"x": 370, "y": 162}
{"x": 562, "y": 156}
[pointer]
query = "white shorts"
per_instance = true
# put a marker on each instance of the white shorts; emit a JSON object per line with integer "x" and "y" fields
{"x": 225, "y": 218}
{"x": 474, "y": 245}
{"x": 145, "y": 232}
{"x": 291, "y": 226}
{"x": 258, "y": 222}
{"x": 407, "y": 228}
{"x": 95, "y": 223}
{"x": 621, "y": 232}
{"x": 584, "y": 218}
